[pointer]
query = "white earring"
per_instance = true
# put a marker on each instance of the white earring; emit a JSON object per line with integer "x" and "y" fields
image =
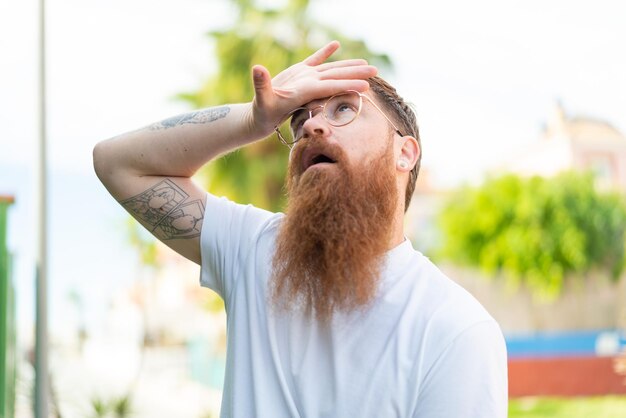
{"x": 403, "y": 164}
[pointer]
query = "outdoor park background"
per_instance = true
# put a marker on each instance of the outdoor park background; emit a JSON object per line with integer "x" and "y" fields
{"x": 128, "y": 319}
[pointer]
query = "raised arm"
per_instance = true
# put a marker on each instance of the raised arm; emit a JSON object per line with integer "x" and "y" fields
{"x": 149, "y": 170}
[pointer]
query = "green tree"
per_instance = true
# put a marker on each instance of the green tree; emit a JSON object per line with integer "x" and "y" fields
{"x": 536, "y": 230}
{"x": 276, "y": 38}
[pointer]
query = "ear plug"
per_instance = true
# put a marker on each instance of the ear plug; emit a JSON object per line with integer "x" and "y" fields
{"x": 403, "y": 164}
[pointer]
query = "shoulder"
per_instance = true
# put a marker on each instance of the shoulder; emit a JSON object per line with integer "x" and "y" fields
{"x": 447, "y": 311}
{"x": 231, "y": 217}
{"x": 461, "y": 315}
{"x": 463, "y": 343}
{"x": 434, "y": 295}
{"x": 452, "y": 338}
{"x": 231, "y": 232}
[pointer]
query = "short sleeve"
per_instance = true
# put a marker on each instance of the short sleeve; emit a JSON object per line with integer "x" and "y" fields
{"x": 469, "y": 379}
{"x": 229, "y": 233}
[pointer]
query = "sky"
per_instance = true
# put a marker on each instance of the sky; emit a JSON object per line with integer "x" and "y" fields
{"x": 483, "y": 76}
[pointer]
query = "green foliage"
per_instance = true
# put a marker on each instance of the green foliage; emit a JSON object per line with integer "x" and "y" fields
{"x": 122, "y": 406}
{"x": 596, "y": 407}
{"x": 536, "y": 230}
{"x": 100, "y": 407}
{"x": 114, "y": 407}
{"x": 276, "y": 38}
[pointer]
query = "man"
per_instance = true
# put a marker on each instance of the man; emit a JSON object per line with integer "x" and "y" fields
{"x": 331, "y": 312}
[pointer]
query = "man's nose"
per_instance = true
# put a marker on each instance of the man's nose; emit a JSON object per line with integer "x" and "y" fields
{"x": 316, "y": 124}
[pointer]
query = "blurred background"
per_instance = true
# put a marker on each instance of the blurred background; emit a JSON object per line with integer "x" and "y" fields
{"x": 521, "y": 198}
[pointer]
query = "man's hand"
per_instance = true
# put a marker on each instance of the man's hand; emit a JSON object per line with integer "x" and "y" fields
{"x": 303, "y": 82}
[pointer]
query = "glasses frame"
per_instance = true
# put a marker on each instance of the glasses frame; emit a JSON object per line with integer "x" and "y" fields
{"x": 312, "y": 109}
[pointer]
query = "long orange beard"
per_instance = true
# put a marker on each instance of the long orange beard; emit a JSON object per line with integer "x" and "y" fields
{"x": 332, "y": 242}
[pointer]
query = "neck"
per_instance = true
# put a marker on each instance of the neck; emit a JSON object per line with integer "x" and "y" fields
{"x": 397, "y": 234}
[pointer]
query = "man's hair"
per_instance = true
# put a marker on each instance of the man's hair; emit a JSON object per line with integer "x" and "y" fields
{"x": 404, "y": 118}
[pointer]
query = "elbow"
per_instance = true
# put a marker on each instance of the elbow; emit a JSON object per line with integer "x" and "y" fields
{"x": 101, "y": 163}
{"x": 97, "y": 159}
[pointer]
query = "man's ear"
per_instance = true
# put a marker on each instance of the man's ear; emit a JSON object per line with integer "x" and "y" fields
{"x": 409, "y": 154}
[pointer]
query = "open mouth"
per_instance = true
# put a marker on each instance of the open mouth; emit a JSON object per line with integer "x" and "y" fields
{"x": 316, "y": 158}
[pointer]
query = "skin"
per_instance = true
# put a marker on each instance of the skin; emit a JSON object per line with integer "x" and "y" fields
{"x": 173, "y": 150}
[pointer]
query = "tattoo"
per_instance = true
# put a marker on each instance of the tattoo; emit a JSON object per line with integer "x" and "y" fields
{"x": 201, "y": 116}
{"x": 164, "y": 210}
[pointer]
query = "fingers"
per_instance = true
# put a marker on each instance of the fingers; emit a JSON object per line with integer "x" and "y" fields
{"x": 308, "y": 80}
{"x": 322, "y": 54}
{"x": 328, "y": 88}
{"x": 346, "y": 73}
{"x": 262, "y": 84}
{"x": 344, "y": 69}
{"x": 343, "y": 63}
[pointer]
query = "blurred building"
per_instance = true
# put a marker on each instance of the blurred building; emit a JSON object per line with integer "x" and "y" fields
{"x": 577, "y": 143}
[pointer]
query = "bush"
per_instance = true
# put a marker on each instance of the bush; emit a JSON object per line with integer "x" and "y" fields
{"x": 535, "y": 230}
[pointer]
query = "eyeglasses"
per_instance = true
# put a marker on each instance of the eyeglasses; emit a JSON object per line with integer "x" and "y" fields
{"x": 339, "y": 110}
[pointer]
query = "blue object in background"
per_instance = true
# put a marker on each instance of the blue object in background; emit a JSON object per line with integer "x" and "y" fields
{"x": 207, "y": 364}
{"x": 605, "y": 342}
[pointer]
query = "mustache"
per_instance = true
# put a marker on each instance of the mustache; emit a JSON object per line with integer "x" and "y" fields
{"x": 321, "y": 146}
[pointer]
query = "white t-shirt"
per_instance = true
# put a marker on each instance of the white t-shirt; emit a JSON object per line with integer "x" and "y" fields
{"x": 426, "y": 348}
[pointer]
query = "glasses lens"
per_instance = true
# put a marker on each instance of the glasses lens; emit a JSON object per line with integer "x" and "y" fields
{"x": 295, "y": 120}
{"x": 339, "y": 110}
{"x": 298, "y": 117}
{"x": 343, "y": 108}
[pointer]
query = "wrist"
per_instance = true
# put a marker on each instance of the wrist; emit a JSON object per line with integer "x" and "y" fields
{"x": 258, "y": 126}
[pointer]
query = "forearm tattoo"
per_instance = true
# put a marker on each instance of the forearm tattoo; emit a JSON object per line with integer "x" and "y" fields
{"x": 165, "y": 211}
{"x": 200, "y": 116}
